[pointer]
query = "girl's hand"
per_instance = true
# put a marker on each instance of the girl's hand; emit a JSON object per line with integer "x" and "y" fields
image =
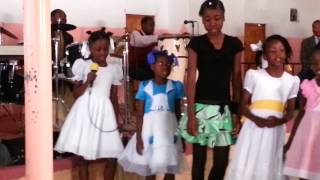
{"x": 260, "y": 122}
{"x": 273, "y": 121}
{"x": 91, "y": 77}
{"x": 237, "y": 127}
{"x": 192, "y": 124}
{"x": 139, "y": 146}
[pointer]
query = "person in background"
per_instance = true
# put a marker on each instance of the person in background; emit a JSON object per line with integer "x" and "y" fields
{"x": 141, "y": 43}
{"x": 59, "y": 16}
{"x": 306, "y": 49}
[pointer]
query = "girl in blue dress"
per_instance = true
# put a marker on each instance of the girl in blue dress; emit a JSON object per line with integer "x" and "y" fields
{"x": 155, "y": 148}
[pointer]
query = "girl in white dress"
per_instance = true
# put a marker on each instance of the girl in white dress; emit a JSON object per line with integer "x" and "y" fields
{"x": 91, "y": 129}
{"x": 155, "y": 148}
{"x": 267, "y": 104}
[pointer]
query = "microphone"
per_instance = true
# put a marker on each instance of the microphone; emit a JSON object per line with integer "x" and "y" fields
{"x": 189, "y": 21}
{"x": 94, "y": 67}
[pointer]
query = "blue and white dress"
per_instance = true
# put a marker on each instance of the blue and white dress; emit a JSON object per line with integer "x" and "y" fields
{"x": 162, "y": 149}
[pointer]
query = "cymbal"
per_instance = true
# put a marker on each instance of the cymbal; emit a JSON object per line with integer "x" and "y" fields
{"x": 8, "y": 33}
{"x": 63, "y": 27}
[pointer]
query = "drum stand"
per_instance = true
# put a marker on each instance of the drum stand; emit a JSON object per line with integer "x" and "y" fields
{"x": 56, "y": 64}
{"x": 128, "y": 123}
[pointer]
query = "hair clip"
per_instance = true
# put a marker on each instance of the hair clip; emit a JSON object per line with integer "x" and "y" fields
{"x": 151, "y": 57}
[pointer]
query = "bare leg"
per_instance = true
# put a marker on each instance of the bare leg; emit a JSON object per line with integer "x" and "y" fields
{"x": 110, "y": 169}
{"x": 169, "y": 177}
{"x": 84, "y": 170}
{"x": 151, "y": 177}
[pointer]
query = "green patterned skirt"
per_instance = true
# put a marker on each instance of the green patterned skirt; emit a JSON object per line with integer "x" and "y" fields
{"x": 214, "y": 126}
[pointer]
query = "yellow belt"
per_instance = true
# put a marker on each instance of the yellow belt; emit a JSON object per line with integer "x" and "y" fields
{"x": 273, "y": 105}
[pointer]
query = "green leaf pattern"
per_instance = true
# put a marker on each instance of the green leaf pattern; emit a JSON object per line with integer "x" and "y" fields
{"x": 214, "y": 128}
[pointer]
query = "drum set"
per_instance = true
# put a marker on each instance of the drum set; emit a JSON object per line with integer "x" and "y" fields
{"x": 11, "y": 79}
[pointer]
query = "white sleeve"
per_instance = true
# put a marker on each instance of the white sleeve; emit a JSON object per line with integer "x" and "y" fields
{"x": 249, "y": 81}
{"x": 295, "y": 87}
{"x": 78, "y": 70}
{"x": 139, "y": 40}
{"x": 117, "y": 74}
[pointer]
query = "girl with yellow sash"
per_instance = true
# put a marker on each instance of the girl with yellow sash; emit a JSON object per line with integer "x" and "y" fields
{"x": 267, "y": 104}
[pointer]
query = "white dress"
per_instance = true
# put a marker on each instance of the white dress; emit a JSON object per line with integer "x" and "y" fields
{"x": 90, "y": 129}
{"x": 162, "y": 151}
{"x": 259, "y": 151}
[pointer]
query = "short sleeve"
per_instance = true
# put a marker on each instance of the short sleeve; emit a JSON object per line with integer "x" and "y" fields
{"x": 237, "y": 45}
{"x": 141, "y": 94}
{"x": 117, "y": 74}
{"x": 194, "y": 44}
{"x": 78, "y": 70}
{"x": 295, "y": 87}
{"x": 180, "y": 93}
{"x": 305, "y": 88}
{"x": 249, "y": 81}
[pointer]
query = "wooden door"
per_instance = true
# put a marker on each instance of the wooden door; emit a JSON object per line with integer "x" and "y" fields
{"x": 253, "y": 33}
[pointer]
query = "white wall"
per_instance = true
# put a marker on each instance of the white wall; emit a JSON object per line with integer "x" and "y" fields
{"x": 170, "y": 14}
{"x": 109, "y": 13}
{"x": 274, "y": 13}
{"x": 11, "y": 11}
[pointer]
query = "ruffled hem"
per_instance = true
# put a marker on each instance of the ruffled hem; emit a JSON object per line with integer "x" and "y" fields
{"x": 210, "y": 137}
{"x": 147, "y": 170}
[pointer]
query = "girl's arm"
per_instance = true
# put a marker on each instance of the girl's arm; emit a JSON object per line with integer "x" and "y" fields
{"x": 236, "y": 89}
{"x": 114, "y": 100}
{"x": 178, "y": 109}
{"x": 245, "y": 111}
{"x": 191, "y": 83}
{"x": 296, "y": 122}
{"x": 139, "y": 123}
{"x": 236, "y": 78}
{"x": 79, "y": 87}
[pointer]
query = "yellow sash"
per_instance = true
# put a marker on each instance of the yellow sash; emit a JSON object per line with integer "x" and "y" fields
{"x": 273, "y": 105}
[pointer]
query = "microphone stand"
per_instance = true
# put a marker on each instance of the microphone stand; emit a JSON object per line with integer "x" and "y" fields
{"x": 192, "y": 26}
{"x": 57, "y": 97}
{"x": 125, "y": 62}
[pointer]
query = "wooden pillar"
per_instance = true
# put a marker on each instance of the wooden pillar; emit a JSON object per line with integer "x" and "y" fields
{"x": 38, "y": 89}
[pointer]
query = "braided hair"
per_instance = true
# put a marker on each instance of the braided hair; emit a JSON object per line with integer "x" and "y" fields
{"x": 98, "y": 35}
{"x": 211, "y": 4}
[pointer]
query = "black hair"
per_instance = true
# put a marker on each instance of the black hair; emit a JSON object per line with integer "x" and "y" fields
{"x": 98, "y": 35}
{"x": 55, "y": 11}
{"x": 211, "y": 4}
{"x": 146, "y": 19}
{"x": 274, "y": 38}
{"x": 315, "y": 22}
